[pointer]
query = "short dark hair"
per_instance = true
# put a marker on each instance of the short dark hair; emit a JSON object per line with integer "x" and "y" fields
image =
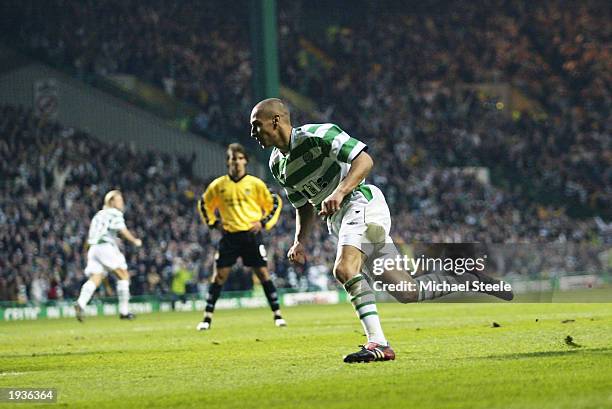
{"x": 237, "y": 148}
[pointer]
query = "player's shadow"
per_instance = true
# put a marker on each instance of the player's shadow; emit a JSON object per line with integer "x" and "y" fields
{"x": 546, "y": 354}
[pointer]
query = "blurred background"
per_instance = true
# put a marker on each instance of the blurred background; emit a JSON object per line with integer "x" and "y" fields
{"x": 488, "y": 120}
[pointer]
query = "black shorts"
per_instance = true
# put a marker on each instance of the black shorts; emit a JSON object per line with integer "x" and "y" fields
{"x": 243, "y": 244}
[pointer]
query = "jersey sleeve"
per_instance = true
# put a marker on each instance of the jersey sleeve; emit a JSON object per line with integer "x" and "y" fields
{"x": 117, "y": 222}
{"x": 343, "y": 147}
{"x": 207, "y": 205}
{"x": 271, "y": 203}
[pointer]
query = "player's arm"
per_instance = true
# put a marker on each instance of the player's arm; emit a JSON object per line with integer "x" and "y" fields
{"x": 304, "y": 220}
{"x": 271, "y": 205}
{"x": 126, "y": 234}
{"x": 361, "y": 166}
{"x": 207, "y": 206}
{"x": 117, "y": 223}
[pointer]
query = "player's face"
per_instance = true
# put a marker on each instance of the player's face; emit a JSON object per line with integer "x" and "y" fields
{"x": 262, "y": 130}
{"x": 236, "y": 163}
{"x": 118, "y": 202}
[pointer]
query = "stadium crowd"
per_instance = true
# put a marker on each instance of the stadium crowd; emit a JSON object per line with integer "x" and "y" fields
{"x": 397, "y": 74}
{"x": 384, "y": 72}
{"x": 54, "y": 181}
{"x": 188, "y": 48}
{"x": 390, "y": 78}
{"x": 56, "y": 176}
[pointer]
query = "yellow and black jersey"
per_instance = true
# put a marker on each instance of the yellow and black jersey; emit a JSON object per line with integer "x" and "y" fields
{"x": 239, "y": 203}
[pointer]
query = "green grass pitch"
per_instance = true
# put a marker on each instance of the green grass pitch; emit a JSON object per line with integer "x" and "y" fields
{"x": 448, "y": 356}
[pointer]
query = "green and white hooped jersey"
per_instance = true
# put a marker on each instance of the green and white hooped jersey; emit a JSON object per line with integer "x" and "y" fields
{"x": 105, "y": 225}
{"x": 319, "y": 157}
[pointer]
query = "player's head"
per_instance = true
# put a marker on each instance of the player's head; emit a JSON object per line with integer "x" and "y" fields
{"x": 237, "y": 160}
{"x": 270, "y": 122}
{"x": 114, "y": 198}
{"x": 178, "y": 263}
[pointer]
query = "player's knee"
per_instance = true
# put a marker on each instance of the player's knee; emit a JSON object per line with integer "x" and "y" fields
{"x": 262, "y": 274}
{"x": 96, "y": 279}
{"x": 345, "y": 270}
{"x": 220, "y": 277}
{"x": 122, "y": 274}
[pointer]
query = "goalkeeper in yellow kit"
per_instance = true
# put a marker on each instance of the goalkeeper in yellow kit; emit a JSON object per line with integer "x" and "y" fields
{"x": 246, "y": 207}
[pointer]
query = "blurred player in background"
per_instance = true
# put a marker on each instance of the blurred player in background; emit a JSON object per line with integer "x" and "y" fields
{"x": 246, "y": 207}
{"x": 104, "y": 254}
{"x": 321, "y": 167}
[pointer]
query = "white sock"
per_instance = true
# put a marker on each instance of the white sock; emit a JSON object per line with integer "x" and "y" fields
{"x": 123, "y": 294}
{"x": 87, "y": 291}
{"x": 364, "y": 302}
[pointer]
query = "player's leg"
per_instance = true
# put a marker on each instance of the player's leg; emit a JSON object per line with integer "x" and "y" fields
{"x": 349, "y": 227}
{"x": 271, "y": 294}
{"x": 219, "y": 278}
{"x": 457, "y": 251}
{"x": 225, "y": 258}
{"x": 253, "y": 253}
{"x": 87, "y": 291}
{"x": 123, "y": 293}
{"x": 427, "y": 285}
{"x": 377, "y": 244}
{"x": 378, "y": 249}
{"x": 372, "y": 223}
{"x": 114, "y": 261}
{"x": 347, "y": 271}
{"x": 95, "y": 272}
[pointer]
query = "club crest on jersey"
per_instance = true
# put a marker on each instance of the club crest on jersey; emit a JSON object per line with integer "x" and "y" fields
{"x": 247, "y": 191}
{"x": 308, "y": 157}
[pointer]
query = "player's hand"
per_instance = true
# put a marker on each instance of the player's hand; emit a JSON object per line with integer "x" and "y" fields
{"x": 297, "y": 254}
{"x": 331, "y": 204}
{"x": 216, "y": 226}
{"x": 256, "y": 227}
{"x": 138, "y": 243}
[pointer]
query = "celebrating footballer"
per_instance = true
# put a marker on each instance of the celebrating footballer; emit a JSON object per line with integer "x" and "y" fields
{"x": 323, "y": 171}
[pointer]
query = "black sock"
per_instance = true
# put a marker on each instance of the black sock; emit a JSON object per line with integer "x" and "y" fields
{"x": 214, "y": 291}
{"x": 271, "y": 295}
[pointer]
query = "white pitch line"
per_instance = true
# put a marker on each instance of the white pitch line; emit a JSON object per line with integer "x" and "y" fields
{"x": 12, "y": 373}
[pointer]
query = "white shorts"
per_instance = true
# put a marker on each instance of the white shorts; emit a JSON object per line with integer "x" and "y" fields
{"x": 349, "y": 225}
{"x": 102, "y": 258}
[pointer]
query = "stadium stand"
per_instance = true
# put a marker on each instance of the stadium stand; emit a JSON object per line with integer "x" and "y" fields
{"x": 389, "y": 78}
{"x": 394, "y": 76}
